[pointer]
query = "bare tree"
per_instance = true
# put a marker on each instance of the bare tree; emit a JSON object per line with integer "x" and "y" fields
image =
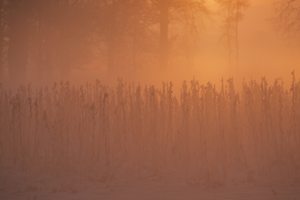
{"x": 167, "y": 8}
{"x": 2, "y": 36}
{"x": 232, "y": 12}
{"x": 121, "y": 26}
{"x": 18, "y": 39}
{"x": 47, "y": 36}
{"x": 288, "y": 16}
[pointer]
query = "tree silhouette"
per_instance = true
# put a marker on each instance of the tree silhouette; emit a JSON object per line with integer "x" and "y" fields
{"x": 120, "y": 26}
{"x": 51, "y": 38}
{"x": 232, "y": 12}
{"x": 288, "y": 16}
{"x": 2, "y": 36}
{"x": 18, "y": 22}
{"x": 167, "y": 8}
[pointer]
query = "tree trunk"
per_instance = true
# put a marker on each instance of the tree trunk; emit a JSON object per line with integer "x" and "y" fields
{"x": 18, "y": 44}
{"x": 164, "y": 33}
{"x": 111, "y": 40}
{"x": 237, "y": 38}
{"x": 2, "y": 35}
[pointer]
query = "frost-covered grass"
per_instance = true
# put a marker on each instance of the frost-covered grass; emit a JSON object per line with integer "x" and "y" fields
{"x": 201, "y": 136}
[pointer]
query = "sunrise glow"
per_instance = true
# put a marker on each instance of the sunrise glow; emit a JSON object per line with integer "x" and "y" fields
{"x": 149, "y": 99}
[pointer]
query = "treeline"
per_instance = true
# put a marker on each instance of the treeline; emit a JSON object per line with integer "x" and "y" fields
{"x": 53, "y": 37}
{"x": 202, "y": 134}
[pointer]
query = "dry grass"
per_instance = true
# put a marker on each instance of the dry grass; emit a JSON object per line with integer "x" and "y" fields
{"x": 202, "y": 134}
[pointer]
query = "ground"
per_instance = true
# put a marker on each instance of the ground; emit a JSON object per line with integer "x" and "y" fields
{"x": 20, "y": 186}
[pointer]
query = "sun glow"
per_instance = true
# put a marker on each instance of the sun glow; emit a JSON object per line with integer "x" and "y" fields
{"x": 211, "y": 3}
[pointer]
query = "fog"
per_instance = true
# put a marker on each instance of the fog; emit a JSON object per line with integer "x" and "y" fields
{"x": 46, "y": 41}
{"x": 149, "y": 99}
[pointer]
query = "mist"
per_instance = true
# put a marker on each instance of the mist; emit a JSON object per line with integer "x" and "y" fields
{"x": 149, "y": 99}
{"x": 45, "y": 41}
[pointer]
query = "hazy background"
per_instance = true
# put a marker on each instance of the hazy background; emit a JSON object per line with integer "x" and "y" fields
{"x": 46, "y": 41}
{"x": 140, "y": 138}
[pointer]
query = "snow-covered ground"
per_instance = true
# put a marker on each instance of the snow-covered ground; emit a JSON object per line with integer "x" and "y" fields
{"x": 26, "y": 186}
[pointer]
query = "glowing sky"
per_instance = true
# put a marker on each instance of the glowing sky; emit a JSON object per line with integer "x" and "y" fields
{"x": 263, "y": 51}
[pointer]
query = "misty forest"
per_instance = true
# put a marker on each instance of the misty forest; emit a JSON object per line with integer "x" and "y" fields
{"x": 149, "y": 99}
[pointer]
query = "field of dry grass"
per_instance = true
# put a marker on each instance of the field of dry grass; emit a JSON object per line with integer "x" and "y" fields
{"x": 202, "y": 136}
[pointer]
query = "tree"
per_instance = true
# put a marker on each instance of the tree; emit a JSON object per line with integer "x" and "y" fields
{"x": 167, "y": 8}
{"x": 2, "y": 37}
{"x": 288, "y": 16}
{"x": 60, "y": 33}
{"x": 18, "y": 39}
{"x": 122, "y": 28}
{"x": 232, "y": 11}
{"x": 164, "y": 9}
{"x": 47, "y": 36}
